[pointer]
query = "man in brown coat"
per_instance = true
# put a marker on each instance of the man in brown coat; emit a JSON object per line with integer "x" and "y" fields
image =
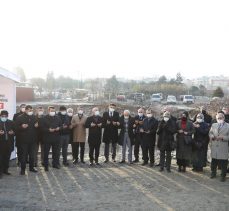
{"x": 79, "y": 135}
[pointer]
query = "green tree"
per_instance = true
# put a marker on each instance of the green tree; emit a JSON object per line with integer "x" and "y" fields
{"x": 50, "y": 81}
{"x": 112, "y": 86}
{"x": 162, "y": 80}
{"x": 203, "y": 90}
{"x": 39, "y": 82}
{"x": 218, "y": 92}
{"x": 179, "y": 78}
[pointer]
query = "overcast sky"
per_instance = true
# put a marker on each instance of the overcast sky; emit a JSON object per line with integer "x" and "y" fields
{"x": 127, "y": 38}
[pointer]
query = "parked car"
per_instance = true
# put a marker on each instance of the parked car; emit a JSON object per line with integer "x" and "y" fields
{"x": 139, "y": 97}
{"x": 121, "y": 97}
{"x": 155, "y": 98}
{"x": 188, "y": 99}
{"x": 171, "y": 99}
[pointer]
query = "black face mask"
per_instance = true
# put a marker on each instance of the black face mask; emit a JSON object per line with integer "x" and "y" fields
{"x": 204, "y": 112}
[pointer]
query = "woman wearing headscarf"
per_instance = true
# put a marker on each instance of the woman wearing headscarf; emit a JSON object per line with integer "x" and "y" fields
{"x": 200, "y": 141}
{"x": 185, "y": 131}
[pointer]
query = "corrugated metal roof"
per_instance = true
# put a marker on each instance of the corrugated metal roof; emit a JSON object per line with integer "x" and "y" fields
{"x": 7, "y": 74}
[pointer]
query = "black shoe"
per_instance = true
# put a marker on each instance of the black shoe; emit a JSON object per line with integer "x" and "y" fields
{"x": 158, "y": 164}
{"x": 56, "y": 167}
{"x": 22, "y": 172}
{"x": 42, "y": 164}
{"x": 82, "y": 161}
{"x": 91, "y": 164}
{"x": 106, "y": 161}
{"x": 161, "y": 169}
{"x": 6, "y": 173}
{"x": 184, "y": 169}
{"x": 96, "y": 163}
{"x": 46, "y": 168}
{"x": 75, "y": 162}
{"x": 168, "y": 170}
{"x": 144, "y": 163}
{"x": 151, "y": 164}
{"x": 228, "y": 170}
{"x": 136, "y": 161}
{"x": 213, "y": 176}
{"x": 114, "y": 160}
{"x": 179, "y": 169}
{"x": 131, "y": 162}
{"x": 66, "y": 164}
{"x": 222, "y": 179}
{"x": 123, "y": 161}
{"x": 33, "y": 170}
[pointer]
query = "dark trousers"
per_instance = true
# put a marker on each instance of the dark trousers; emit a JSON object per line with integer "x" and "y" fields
{"x": 36, "y": 152}
{"x": 148, "y": 153}
{"x": 28, "y": 149}
{"x": 19, "y": 152}
{"x": 64, "y": 141}
{"x": 167, "y": 158}
{"x": 137, "y": 145}
{"x": 5, "y": 152}
{"x": 106, "y": 150}
{"x": 94, "y": 149}
{"x": 182, "y": 162}
{"x": 55, "y": 153}
{"x": 75, "y": 150}
{"x": 222, "y": 164}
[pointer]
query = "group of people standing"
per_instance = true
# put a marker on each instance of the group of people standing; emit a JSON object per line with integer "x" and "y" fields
{"x": 33, "y": 130}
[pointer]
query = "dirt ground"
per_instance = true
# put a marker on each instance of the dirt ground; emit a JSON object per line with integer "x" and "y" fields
{"x": 112, "y": 186}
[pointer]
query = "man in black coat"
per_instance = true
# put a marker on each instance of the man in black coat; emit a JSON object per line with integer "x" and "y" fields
{"x": 18, "y": 140}
{"x": 149, "y": 137}
{"x": 166, "y": 130}
{"x": 6, "y": 142}
{"x": 94, "y": 124}
{"x": 26, "y": 126}
{"x": 110, "y": 135}
{"x": 138, "y": 135}
{"x": 64, "y": 133}
{"x": 51, "y": 126}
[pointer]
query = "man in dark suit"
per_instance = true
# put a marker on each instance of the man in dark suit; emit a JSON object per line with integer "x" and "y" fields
{"x": 138, "y": 135}
{"x": 6, "y": 142}
{"x": 18, "y": 140}
{"x": 94, "y": 123}
{"x": 27, "y": 125}
{"x": 110, "y": 135}
{"x": 51, "y": 126}
{"x": 149, "y": 129}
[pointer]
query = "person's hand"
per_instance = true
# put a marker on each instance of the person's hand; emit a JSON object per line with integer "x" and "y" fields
{"x": 2, "y": 132}
{"x": 140, "y": 122}
{"x": 219, "y": 138}
{"x": 99, "y": 125}
{"x": 65, "y": 126}
{"x": 136, "y": 122}
{"x": 114, "y": 123}
{"x": 196, "y": 125}
{"x": 141, "y": 130}
{"x": 108, "y": 122}
{"x": 93, "y": 124}
{"x": 186, "y": 133}
{"x": 134, "y": 125}
{"x": 11, "y": 132}
{"x": 180, "y": 131}
{"x": 36, "y": 124}
{"x": 147, "y": 132}
{"x": 118, "y": 123}
{"x": 57, "y": 129}
{"x": 25, "y": 126}
{"x": 51, "y": 130}
{"x": 70, "y": 126}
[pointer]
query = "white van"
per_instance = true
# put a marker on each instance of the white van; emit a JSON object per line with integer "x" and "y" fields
{"x": 188, "y": 99}
{"x": 155, "y": 98}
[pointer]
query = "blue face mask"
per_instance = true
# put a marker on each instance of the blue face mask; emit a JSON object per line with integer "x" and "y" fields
{"x": 3, "y": 119}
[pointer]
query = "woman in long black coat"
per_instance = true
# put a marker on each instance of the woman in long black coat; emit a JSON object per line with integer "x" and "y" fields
{"x": 200, "y": 140}
{"x": 166, "y": 131}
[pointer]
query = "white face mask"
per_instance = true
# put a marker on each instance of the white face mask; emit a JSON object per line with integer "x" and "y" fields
{"x": 126, "y": 117}
{"x": 140, "y": 114}
{"x": 52, "y": 113}
{"x": 199, "y": 120}
{"x": 80, "y": 112}
{"x": 149, "y": 115}
{"x": 166, "y": 119}
{"x": 70, "y": 114}
{"x": 63, "y": 112}
{"x": 111, "y": 109}
{"x": 30, "y": 113}
{"x": 40, "y": 113}
{"x": 220, "y": 121}
{"x": 96, "y": 113}
{"x": 22, "y": 109}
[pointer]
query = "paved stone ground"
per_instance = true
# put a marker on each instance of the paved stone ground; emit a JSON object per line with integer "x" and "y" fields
{"x": 112, "y": 186}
